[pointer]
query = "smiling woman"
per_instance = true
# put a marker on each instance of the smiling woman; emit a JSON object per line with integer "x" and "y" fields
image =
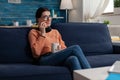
{"x": 48, "y": 48}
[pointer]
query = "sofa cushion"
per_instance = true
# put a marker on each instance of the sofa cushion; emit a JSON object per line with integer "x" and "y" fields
{"x": 93, "y": 38}
{"x": 33, "y": 72}
{"x": 103, "y": 60}
{"x": 14, "y": 45}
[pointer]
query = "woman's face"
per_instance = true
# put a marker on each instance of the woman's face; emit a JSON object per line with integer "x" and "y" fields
{"x": 45, "y": 17}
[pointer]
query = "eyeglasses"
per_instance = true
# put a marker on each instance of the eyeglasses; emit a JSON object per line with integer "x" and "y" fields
{"x": 46, "y": 17}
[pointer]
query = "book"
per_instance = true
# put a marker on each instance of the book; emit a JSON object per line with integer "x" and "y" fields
{"x": 113, "y": 76}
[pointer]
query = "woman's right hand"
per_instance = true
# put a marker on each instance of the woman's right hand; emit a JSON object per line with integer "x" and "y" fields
{"x": 42, "y": 27}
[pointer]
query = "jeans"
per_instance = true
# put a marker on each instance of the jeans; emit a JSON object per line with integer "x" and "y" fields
{"x": 72, "y": 57}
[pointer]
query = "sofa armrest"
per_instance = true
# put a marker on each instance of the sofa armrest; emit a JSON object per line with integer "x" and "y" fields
{"x": 116, "y": 47}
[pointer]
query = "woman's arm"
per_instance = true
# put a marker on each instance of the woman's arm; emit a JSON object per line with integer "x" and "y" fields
{"x": 36, "y": 42}
{"x": 61, "y": 42}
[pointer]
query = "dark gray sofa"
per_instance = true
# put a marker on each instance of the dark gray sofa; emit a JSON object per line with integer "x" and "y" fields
{"x": 16, "y": 62}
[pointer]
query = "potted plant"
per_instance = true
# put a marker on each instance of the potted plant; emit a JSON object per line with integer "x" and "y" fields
{"x": 116, "y": 3}
{"x": 107, "y": 22}
{"x": 116, "y": 6}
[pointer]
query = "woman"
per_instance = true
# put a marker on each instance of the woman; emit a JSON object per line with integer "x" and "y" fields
{"x": 41, "y": 40}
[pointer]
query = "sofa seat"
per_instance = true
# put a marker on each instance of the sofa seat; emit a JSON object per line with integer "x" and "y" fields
{"x": 103, "y": 60}
{"x": 30, "y": 72}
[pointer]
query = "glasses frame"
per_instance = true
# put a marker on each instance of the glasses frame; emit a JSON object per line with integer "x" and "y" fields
{"x": 46, "y": 17}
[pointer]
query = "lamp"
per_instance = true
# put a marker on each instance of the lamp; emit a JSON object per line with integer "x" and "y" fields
{"x": 66, "y": 5}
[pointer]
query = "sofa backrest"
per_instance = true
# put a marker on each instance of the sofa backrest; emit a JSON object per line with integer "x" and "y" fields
{"x": 93, "y": 38}
{"x": 14, "y": 45}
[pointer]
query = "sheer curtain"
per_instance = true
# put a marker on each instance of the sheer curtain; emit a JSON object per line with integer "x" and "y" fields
{"x": 93, "y": 8}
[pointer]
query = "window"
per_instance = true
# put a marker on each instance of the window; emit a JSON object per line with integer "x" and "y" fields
{"x": 110, "y": 7}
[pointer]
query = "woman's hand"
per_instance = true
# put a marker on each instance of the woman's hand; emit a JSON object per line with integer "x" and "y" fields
{"x": 42, "y": 27}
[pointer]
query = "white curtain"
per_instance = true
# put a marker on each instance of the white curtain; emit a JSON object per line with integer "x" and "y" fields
{"x": 94, "y": 8}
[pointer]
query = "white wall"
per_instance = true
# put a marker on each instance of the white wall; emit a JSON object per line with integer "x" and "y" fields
{"x": 114, "y": 19}
{"x": 114, "y": 30}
